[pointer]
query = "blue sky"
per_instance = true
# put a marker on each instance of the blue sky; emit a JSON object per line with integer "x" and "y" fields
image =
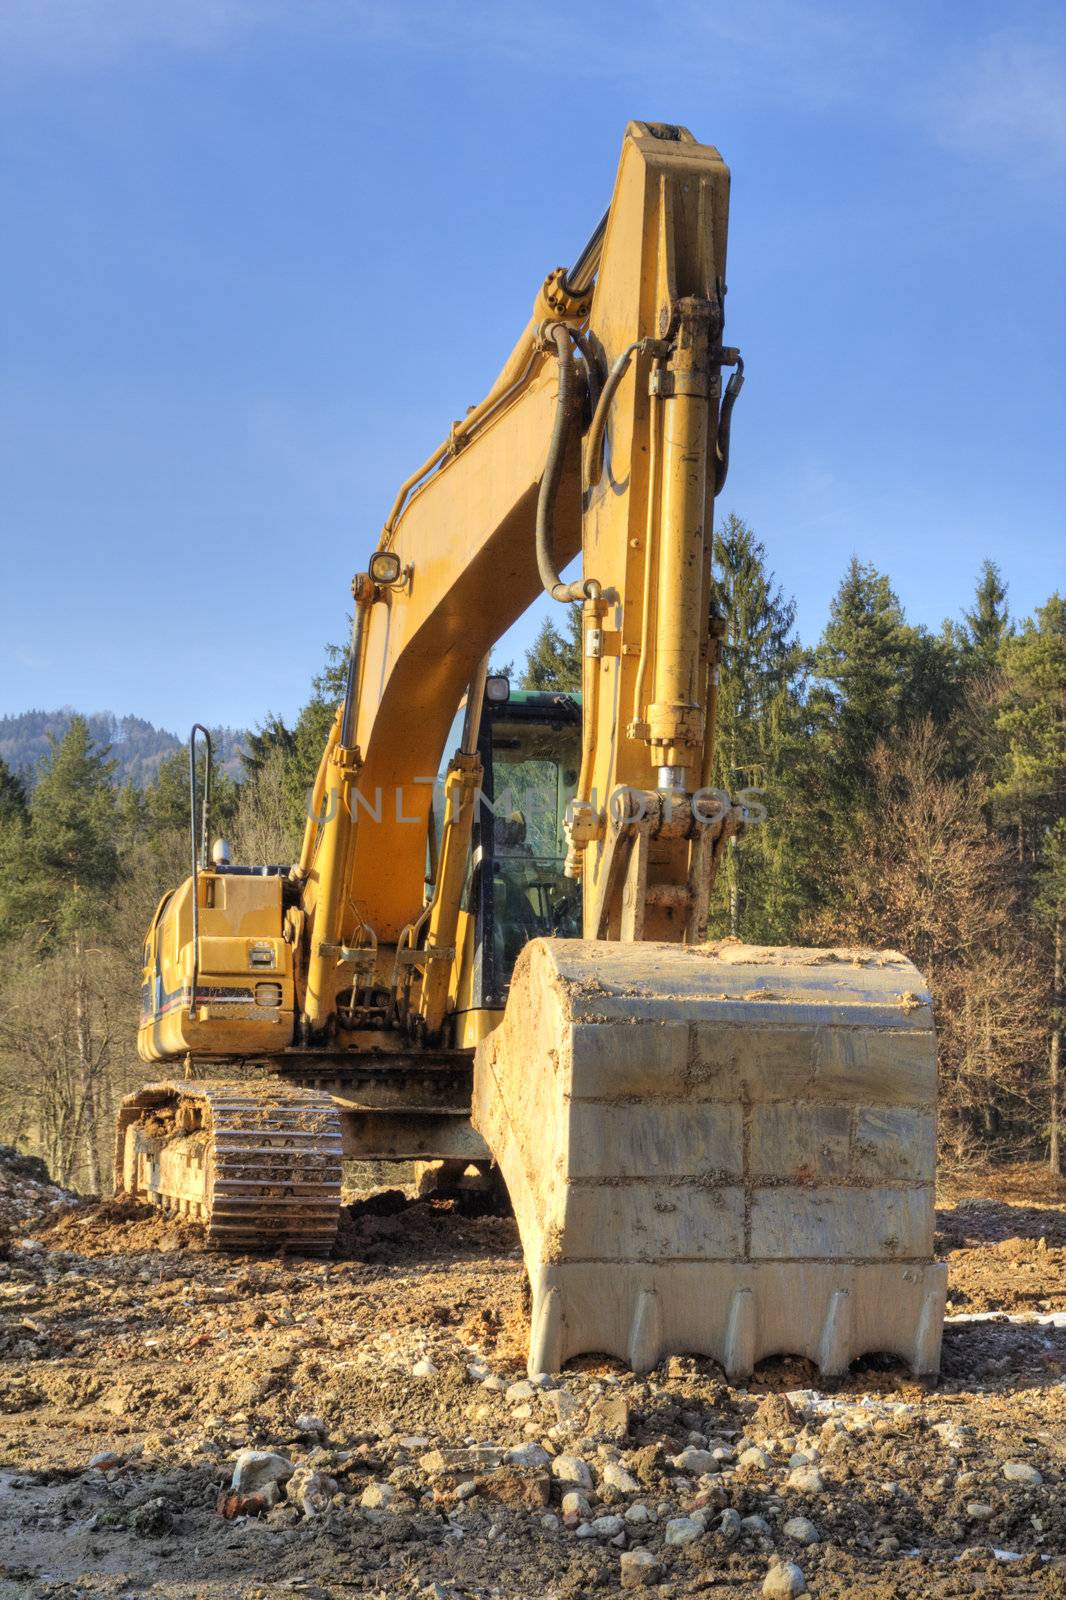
{"x": 259, "y": 253}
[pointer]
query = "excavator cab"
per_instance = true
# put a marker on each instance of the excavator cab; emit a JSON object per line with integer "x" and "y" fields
{"x": 531, "y": 752}
{"x": 530, "y": 748}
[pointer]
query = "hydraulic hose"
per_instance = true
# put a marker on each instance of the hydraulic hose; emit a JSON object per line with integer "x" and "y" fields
{"x": 732, "y": 389}
{"x": 597, "y": 427}
{"x": 566, "y": 411}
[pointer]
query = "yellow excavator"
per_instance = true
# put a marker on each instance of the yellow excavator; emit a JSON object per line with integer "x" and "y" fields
{"x": 493, "y": 948}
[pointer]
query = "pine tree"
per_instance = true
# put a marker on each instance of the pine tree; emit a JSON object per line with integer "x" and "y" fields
{"x": 1031, "y": 797}
{"x": 988, "y": 625}
{"x": 12, "y": 794}
{"x": 758, "y": 728}
{"x": 553, "y": 661}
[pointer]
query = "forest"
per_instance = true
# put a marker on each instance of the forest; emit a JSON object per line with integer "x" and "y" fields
{"x": 915, "y": 793}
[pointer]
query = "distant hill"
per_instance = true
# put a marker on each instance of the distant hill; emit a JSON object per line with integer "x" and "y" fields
{"x": 137, "y": 746}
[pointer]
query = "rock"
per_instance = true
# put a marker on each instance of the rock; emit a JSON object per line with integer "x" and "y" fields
{"x": 512, "y": 1486}
{"x": 574, "y": 1504}
{"x": 494, "y": 1384}
{"x": 802, "y": 1530}
{"x": 424, "y": 1369}
{"x": 730, "y": 1526}
{"x": 608, "y": 1527}
{"x": 308, "y": 1490}
{"x": 753, "y": 1459}
{"x": 465, "y": 1458}
{"x": 775, "y": 1415}
{"x": 572, "y": 1469}
{"x": 377, "y": 1496}
{"x": 639, "y": 1513}
{"x": 522, "y": 1390}
{"x": 610, "y": 1416}
{"x": 528, "y": 1455}
{"x": 105, "y": 1461}
{"x": 695, "y": 1461}
{"x": 617, "y": 1478}
{"x": 254, "y": 1469}
{"x": 683, "y": 1530}
{"x": 559, "y": 1401}
{"x": 806, "y": 1480}
{"x": 1021, "y": 1472}
{"x": 309, "y": 1424}
{"x": 783, "y": 1581}
{"x": 758, "y": 1526}
{"x": 153, "y": 1518}
{"x": 638, "y": 1568}
{"x": 979, "y": 1511}
{"x": 230, "y": 1504}
{"x": 466, "y": 1489}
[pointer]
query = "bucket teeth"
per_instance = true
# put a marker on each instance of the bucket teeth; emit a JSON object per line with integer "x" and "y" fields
{"x": 719, "y": 1151}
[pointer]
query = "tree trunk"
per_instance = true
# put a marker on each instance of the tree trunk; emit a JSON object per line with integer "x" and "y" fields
{"x": 1057, "y": 1145}
{"x": 86, "y": 1069}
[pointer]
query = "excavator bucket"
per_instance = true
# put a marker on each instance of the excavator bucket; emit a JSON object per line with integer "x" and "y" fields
{"x": 721, "y": 1150}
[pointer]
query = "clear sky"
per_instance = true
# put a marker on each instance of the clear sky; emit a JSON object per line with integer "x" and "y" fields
{"x": 259, "y": 253}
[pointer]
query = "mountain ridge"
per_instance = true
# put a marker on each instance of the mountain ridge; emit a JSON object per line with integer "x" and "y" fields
{"x": 136, "y": 745}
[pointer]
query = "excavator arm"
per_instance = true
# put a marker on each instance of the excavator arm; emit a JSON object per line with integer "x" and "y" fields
{"x": 625, "y": 350}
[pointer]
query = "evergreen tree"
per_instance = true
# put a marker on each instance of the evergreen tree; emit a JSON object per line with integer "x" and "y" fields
{"x": 758, "y": 728}
{"x": 12, "y": 795}
{"x": 1031, "y": 798}
{"x": 553, "y": 661}
{"x": 72, "y": 858}
{"x": 988, "y": 625}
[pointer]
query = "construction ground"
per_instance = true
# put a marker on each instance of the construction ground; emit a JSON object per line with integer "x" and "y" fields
{"x": 180, "y": 1424}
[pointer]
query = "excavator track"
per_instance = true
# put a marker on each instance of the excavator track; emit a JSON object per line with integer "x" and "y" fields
{"x": 259, "y": 1164}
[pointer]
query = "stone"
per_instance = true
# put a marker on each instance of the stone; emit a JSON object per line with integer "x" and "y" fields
{"x": 377, "y": 1496}
{"x": 528, "y": 1455}
{"x": 464, "y": 1458}
{"x": 753, "y": 1459}
{"x": 309, "y": 1424}
{"x": 614, "y": 1476}
{"x": 758, "y": 1526}
{"x": 522, "y": 1390}
{"x": 466, "y": 1490}
{"x": 696, "y": 1462}
{"x": 572, "y": 1469}
{"x": 638, "y": 1568}
{"x": 424, "y": 1369}
{"x": 513, "y": 1486}
{"x": 559, "y": 1401}
{"x": 254, "y": 1469}
{"x": 1021, "y": 1472}
{"x": 774, "y": 1414}
{"x": 494, "y": 1384}
{"x": 575, "y": 1504}
{"x": 639, "y": 1514}
{"x": 610, "y": 1416}
{"x": 308, "y": 1490}
{"x": 730, "y": 1526}
{"x": 608, "y": 1527}
{"x": 806, "y": 1480}
{"x": 105, "y": 1461}
{"x": 802, "y": 1530}
{"x": 784, "y": 1581}
{"x": 683, "y": 1530}
{"x": 979, "y": 1511}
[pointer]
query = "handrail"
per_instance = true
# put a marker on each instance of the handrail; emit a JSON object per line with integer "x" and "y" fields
{"x": 197, "y": 858}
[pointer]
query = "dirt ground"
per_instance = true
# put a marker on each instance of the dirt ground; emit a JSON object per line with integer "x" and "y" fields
{"x": 393, "y": 1377}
